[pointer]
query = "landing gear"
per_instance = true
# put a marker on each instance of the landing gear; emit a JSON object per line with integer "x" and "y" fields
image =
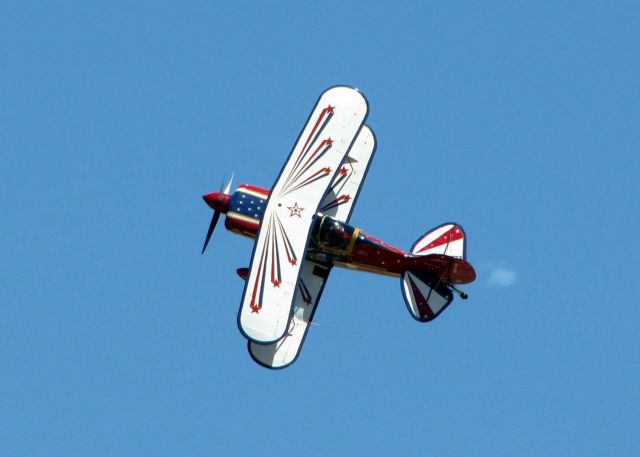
{"x": 460, "y": 293}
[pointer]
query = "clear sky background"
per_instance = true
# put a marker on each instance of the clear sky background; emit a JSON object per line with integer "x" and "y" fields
{"x": 519, "y": 120}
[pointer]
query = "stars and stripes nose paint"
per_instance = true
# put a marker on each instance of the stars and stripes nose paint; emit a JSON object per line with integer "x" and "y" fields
{"x": 246, "y": 208}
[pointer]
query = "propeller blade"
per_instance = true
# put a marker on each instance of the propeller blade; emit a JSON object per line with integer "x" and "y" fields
{"x": 212, "y": 226}
{"x": 220, "y": 196}
{"x": 227, "y": 188}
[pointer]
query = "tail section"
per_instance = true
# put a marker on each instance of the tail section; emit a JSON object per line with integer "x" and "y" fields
{"x": 426, "y": 293}
{"x": 448, "y": 239}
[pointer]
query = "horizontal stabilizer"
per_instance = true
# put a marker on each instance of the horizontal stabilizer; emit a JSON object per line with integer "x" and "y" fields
{"x": 425, "y": 294}
{"x": 448, "y": 239}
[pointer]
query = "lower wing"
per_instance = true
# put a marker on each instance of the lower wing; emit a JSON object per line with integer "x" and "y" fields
{"x": 285, "y": 351}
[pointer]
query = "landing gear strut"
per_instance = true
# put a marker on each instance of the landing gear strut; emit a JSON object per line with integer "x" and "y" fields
{"x": 462, "y": 295}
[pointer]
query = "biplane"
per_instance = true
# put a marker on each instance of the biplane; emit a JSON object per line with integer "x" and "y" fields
{"x": 301, "y": 231}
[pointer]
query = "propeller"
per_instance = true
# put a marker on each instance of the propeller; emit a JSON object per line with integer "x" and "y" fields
{"x": 227, "y": 187}
{"x": 216, "y": 200}
{"x": 212, "y": 226}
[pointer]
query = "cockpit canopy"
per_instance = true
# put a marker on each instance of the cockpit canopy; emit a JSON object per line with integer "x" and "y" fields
{"x": 334, "y": 235}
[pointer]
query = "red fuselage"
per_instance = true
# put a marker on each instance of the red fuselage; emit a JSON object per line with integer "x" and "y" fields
{"x": 335, "y": 242}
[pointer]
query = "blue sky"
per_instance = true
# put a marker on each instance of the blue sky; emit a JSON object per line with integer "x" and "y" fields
{"x": 519, "y": 120}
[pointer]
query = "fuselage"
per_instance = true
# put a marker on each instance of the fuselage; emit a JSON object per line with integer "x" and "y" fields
{"x": 333, "y": 241}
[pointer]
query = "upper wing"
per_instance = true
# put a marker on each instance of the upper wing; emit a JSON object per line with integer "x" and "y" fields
{"x": 337, "y": 203}
{"x": 280, "y": 246}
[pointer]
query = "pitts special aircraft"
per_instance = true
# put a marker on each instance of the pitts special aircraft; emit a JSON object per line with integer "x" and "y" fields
{"x": 301, "y": 231}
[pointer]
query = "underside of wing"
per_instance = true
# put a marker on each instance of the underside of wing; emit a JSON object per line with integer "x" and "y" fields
{"x": 282, "y": 239}
{"x": 340, "y": 200}
{"x": 285, "y": 351}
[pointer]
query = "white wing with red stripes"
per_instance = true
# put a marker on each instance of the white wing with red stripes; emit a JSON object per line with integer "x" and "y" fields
{"x": 338, "y": 203}
{"x": 284, "y": 352}
{"x": 294, "y": 199}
